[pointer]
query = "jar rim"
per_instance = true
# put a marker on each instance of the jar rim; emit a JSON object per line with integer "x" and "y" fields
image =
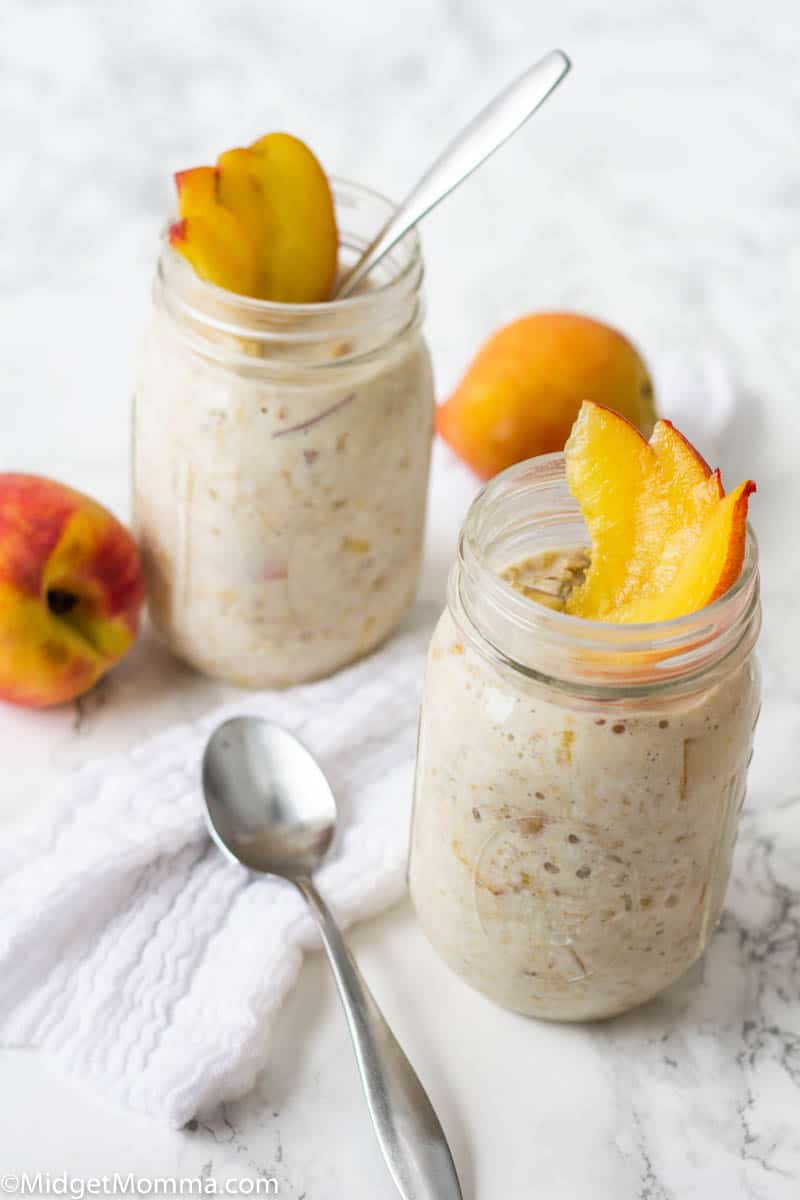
{"x": 198, "y": 302}
{"x": 583, "y": 655}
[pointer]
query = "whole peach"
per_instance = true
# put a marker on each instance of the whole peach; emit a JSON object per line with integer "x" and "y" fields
{"x": 71, "y": 591}
{"x": 522, "y": 391}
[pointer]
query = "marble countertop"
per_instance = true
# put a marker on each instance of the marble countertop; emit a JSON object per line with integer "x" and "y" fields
{"x": 659, "y": 190}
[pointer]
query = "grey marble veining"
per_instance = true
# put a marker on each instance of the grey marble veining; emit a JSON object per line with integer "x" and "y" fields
{"x": 659, "y": 189}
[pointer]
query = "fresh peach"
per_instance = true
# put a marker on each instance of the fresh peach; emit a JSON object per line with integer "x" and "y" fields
{"x": 241, "y": 192}
{"x": 208, "y": 234}
{"x": 197, "y": 190}
{"x": 666, "y": 540}
{"x": 71, "y": 591}
{"x": 522, "y": 392}
{"x": 217, "y": 249}
{"x": 261, "y": 222}
{"x": 304, "y": 242}
{"x": 712, "y": 564}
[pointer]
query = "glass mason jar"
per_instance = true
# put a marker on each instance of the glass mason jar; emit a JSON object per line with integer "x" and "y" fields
{"x": 578, "y": 783}
{"x": 281, "y": 457}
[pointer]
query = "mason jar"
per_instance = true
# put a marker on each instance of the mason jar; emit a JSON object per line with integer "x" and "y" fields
{"x": 280, "y": 469}
{"x": 578, "y": 783}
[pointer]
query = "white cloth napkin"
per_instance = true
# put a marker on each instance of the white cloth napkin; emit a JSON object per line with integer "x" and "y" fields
{"x": 143, "y": 960}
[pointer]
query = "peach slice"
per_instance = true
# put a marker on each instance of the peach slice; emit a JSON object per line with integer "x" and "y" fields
{"x": 713, "y": 562}
{"x": 197, "y": 190}
{"x": 304, "y": 242}
{"x": 209, "y": 236}
{"x": 261, "y": 222}
{"x": 666, "y": 540}
{"x": 240, "y": 191}
{"x": 217, "y": 249}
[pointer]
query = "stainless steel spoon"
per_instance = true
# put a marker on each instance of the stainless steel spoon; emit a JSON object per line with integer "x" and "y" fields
{"x": 270, "y": 808}
{"x": 492, "y": 126}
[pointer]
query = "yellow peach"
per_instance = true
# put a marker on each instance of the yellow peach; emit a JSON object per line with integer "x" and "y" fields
{"x": 241, "y": 193}
{"x": 261, "y": 222}
{"x": 217, "y": 249}
{"x": 666, "y": 540}
{"x": 522, "y": 391}
{"x": 197, "y": 190}
{"x": 304, "y": 241}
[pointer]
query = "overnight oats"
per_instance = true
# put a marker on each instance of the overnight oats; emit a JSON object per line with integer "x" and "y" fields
{"x": 578, "y": 781}
{"x": 281, "y": 464}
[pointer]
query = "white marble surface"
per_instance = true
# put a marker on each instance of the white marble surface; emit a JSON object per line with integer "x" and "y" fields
{"x": 659, "y": 190}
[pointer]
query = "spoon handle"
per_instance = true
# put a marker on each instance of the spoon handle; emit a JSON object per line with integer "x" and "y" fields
{"x": 492, "y": 126}
{"x": 410, "y": 1136}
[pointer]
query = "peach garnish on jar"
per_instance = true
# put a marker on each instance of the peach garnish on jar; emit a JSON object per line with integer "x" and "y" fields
{"x": 261, "y": 222}
{"x": 666, "y": 538}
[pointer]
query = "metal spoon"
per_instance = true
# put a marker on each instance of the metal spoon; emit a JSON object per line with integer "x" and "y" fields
{"x": 270, "y": 808}
{"x": 492, "y": 126}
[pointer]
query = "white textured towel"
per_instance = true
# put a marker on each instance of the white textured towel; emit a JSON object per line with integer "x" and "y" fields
{"x": 149, "y": 964}
{"x": 145, "y": 961}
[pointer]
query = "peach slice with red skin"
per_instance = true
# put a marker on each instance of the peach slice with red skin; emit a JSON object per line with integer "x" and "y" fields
{"x": 261, "y": 222}
{"x": 208, "y": 235}
{"x": 666, "y": 540}
{"x": 197, "y": 190}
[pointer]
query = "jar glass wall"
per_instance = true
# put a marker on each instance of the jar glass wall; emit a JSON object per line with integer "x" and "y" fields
{"x": 578, "y": 784}
{"x": 281, "y": 457}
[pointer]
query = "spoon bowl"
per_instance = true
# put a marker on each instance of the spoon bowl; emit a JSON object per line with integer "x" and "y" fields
{"x": 269, "y": 804}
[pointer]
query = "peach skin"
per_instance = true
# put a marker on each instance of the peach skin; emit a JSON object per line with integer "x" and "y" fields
{"x": 522, "y": 391}
{"x": 666, "y": 540}
{"x": 71, "y": 591}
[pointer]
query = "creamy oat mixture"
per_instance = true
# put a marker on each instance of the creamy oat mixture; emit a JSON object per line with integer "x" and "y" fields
{"x": 281, "y": 521}
{"x": 550, "y": 576}
{"x": 570, "y": 857}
